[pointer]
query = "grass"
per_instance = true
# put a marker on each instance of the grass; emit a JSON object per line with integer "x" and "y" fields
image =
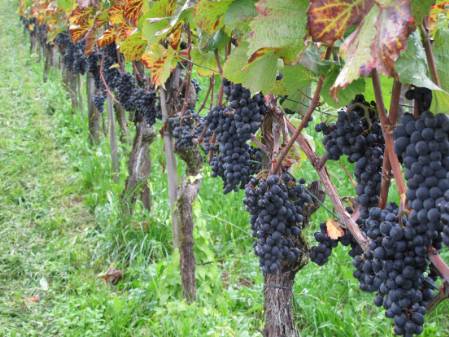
{"x": 60, "y": 226}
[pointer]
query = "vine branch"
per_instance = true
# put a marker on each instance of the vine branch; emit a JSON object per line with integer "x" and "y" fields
{"x": 313, "y": 104}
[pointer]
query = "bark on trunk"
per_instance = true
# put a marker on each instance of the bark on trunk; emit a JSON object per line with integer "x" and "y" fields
{"x": 171, "y": 170}
{"x": 48, "y": 62}
{"x": 188, "y": 193}
{"x": 113, "y": 141}
{"x": 92, "y": 112}
{"x": 121, "y": 119}
{"x": 139, "y": 167}
{"x": 278, "y": 296}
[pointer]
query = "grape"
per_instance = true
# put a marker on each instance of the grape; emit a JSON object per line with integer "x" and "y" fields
{"x": 186, "y": 129}
{"x": 320, "y": 254}
{"x": 233, "y": 159}
{"x": 277, "y": 206}
{"x": 422, "y": 144}
{"x": 358, "y": 135}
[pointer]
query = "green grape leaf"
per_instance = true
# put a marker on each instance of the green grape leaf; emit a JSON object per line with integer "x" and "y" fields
{"x": 295, "y": 79}
{"x": 258, "y": 75}
{"x": 412, "y": 69}
{"x": 441, "y": 54}
{"x": 279, "y": 24}
{"x": 344, "y": 96}
{"x": 208, "y": 15}
{"x": 420, "y": 9}
{"x": 238, "y": 15}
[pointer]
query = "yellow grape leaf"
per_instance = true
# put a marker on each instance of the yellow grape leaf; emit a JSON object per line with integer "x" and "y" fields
{"x": 175, "y": 37}
{"x": 106, "y": 38}
{"x": 90, "y": 41}
{"x": 116, "y": 15}
{"x": 160, "y": 61}
{"x": 133, "y": 47}
{"x": 334, "y": 231}
{"x": 80, "y": 16}
{"x": 133, "y": 10}
{"x": 77, "y": 32}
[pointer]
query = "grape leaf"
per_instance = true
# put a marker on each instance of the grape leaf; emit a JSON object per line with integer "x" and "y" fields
{"x": 412, "y": 69}
{"x": 376, "y": 43}
{"x": 333, "y": 229}
{"x": 64, "y": 4}
{"x": 258, "y": 75}
{"x": 106, "y": 38}
{"x": 328, "y": 20}
{"x": 294, "y": 80}
{"x": 344, "y": 96}
{"x": 441, "y": 54}
{"x": 238, "y": 15}
{"x": 209, "y": 14}
{"x": 420, "y": 9}
{"x": 133, "y": 10}
{"x": 412, "y": 65}
{"x": 280, "y": 24}
{"x": 133, "y": 47}
{"x": 160, "y": 61}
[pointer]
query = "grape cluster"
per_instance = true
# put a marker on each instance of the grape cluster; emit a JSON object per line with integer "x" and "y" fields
{"x": 186, "y": 129}
{"x": 277, "y": 206}
{"x": 320, "y": 253}
{"x": 395, "y": 269}
{"x": 444, "y": 209}
{"x": 233, "y": 160}
{"x": 131, "y": 96}
{"x": 423, "y": 145}
{"x": 248, "y": 111}
{"x": 358, "y": 135}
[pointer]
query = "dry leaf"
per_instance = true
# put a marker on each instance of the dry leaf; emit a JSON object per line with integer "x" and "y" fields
{"x": 112, "y": 276}
{"x": 334, "y": 230}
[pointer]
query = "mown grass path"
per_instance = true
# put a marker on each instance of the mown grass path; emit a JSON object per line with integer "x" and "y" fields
{"x": 42, "y": 218}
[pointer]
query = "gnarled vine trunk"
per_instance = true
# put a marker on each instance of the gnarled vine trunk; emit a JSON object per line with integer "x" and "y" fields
{"x": 278, "y": 306}
{"x": 278, "y": 287}
{"x": 187, "y": 194}
{"x": 139, "y": 167}
{"x": 93, "y": 114}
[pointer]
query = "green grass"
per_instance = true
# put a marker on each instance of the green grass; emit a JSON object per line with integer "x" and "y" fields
{"x": 60, "y": 226}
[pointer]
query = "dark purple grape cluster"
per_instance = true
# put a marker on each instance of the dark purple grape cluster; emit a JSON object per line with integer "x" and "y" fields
{"x": 423, "y": 145}
{"x": 131, "y": 96}
{"x": 186, "y": 129}
{"x": 248, "y": 111}
{"x": 444, "y": 210}
{"x": 395, "y": 269}
{"x": 358, "y": 135}
{"x": 277, "y": 205}
{"x": 320, "y": 253}
{"x": 73, "y": 55}
{"x": 233, "y": 126}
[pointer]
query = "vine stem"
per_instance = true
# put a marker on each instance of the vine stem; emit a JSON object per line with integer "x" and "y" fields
{"x": 331, "y": 191}
{"x": 106, "y": 86}
{"x": 387, "y": 130}
{"x": 313, "y": 104}
{"x": 429, "y": 55}
{"x": 386, "y": 166}
{"x": 220, "y": 69}
{"x": 188, "y": 77}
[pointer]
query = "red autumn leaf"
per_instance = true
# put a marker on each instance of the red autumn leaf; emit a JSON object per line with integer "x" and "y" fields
{"x": 376, "y": 43}
{"x": 328, "y": 20}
